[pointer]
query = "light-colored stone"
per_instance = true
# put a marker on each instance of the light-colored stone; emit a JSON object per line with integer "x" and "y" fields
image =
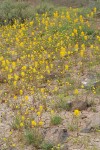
{"x": 93, "y": 124}
{"x": 56, "y": 135}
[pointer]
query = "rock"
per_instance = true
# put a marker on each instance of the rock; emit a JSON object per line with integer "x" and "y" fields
{"x": 42, "y": 86}
{"x": 63, "y": 134}
{"x": 88, "y": 83}
{"x": 80, "y": 105}
{"x": 91, "y": 81}
{"x": 69, "y": 105}
{"x": 56, "y": 135}
{"x": 83, "y": 116}
{"x": 93, "y": 124}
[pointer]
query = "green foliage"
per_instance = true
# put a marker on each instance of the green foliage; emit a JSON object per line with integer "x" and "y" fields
{"x": 72, "y": 127}
{"x": 88, "y": 31}
{"x": 16, "y": 123}
{"x": 10, "y": 10}
{"x": 47, "y": 146}
{"x": 33, "y": 137}
{"x": 44, "y": 6}
{"x": 63, "y": 104}
{"x": 83, "y": 11}
{"x": 56, "y": 120}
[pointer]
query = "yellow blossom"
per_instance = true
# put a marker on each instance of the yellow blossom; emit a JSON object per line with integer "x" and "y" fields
{"x": 15, "y": 97}
{"x": 85, "y": 37}
{"x": 62, "y": 52}
{"x": 33, "y": 123}
{"x": 52, "y": 112}
{"x": 66, "y": 67}
{"x": 56, "y": 14}
{"x": 40, "y": 108}
{"x": 82, "y": 86}
{"x": 76, "y": 91}
{"x": 41, "y": 123}
{"x": 13, "y": 145}
{"x": 26, "y": 97}
{"x": 9, "y": 76}
{"x": 38, "y": 113}
{"x": 76, "y": 112}
{"x": 21, "y": 92}
{"x": 95, "y": 9}
{"x": 31, "y": 23}
{"x": 23, "y": 68}
{"x": 21, "y": 124}
{"x": 4, "y": 139}
{"x": 22, "y": 74}
{"x": 73, "y": 34}
{"x": 75, "y": 31}
{"x": 82, "y": 33}
{"x": 23, "y": 118}
{"x": 82, "y": 53}
{"x": 16, "y": 77}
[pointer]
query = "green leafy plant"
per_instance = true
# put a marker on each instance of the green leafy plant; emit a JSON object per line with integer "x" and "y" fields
{"x": 32, "y": 136}
{"x": 63, "y": 104}
{"x": 47, "y": 146}
{"x": 55, "y": 120}
{"x": 16, "y": 123}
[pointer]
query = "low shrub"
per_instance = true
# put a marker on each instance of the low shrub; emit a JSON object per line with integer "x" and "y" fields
{"x": 56, "y": 120}
{"x": 11, "y": 10}
{"x": 44, "y": 6}
{"x": 33, "y": 137}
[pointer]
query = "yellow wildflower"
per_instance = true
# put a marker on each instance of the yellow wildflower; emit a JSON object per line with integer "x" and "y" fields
{"x": 16, "y": 77}
{"x": 21, "y": 92}
{"x": 31, "y": 23}
{"x": 15, "y": 97}
{"x": 62, "y": 52}
{"x": 21, "y": 124}
{"x": 95, "y": 9}
{"x": 38, "y": 113}
{"x": 41, "y": 123}
{"x": 66, "y": 67}
{"x": 40, "y": 108}
{"x": 33, "y": 123}
{"x": 9, "y": 76}
{"x": 52, "y": 112}
{"x": 76, "y": 91}
{"x": 75, "y": 31}
{"x": 23, "y": 118}
{"x": 22, "y": 74}
{"x": 13, "y": 145}
{"x": 82, "y": 53}
{"x": 26, "y": 97}
{"x": 76, "y": 112}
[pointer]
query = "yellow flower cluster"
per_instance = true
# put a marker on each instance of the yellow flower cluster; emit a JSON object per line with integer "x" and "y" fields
{"x": 41, "y": 61}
